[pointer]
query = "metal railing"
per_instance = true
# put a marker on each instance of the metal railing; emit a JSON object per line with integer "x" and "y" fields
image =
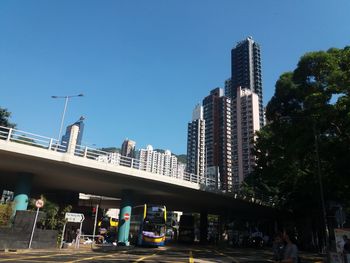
{"x": 50, "y": 144}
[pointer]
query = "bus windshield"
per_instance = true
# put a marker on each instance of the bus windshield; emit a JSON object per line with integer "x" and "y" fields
{"x": 151, "y": 229}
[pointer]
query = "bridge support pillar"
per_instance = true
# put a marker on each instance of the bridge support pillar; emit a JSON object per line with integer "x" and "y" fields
{"x": 223, "y": 231}
{"x": 124, "y": 218}
{"x": 22, "y": 191}
{"x": 203, "y": 227}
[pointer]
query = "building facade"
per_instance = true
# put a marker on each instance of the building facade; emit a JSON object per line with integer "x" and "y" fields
{"x": 196, "y": 143}
{"x": 157, "y": 162}
{"x": 245, "y": 90}
{"x": 245, "y": 122}
{"x": 128, "y": 148}
{"x": 218, "y": 137}
{"x": 246, "y": 71}
{"x": 74, "y": 135}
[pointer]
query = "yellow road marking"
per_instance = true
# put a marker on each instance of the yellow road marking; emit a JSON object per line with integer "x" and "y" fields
{"x": 91, "y": 258}
{"x": 223, "y": 254}
{"x": 140, "y": 259}
{"x": 190, "y": 259}
{"x": 31, "y": 257}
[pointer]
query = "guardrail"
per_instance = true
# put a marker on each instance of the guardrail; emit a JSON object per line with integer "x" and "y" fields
{"x": 50, "y": 144}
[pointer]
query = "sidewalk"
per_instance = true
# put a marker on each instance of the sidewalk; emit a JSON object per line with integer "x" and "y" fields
{"x": 308, "y": 257}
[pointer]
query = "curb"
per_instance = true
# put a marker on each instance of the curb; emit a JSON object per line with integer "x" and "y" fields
{"x": 6, "y": 250}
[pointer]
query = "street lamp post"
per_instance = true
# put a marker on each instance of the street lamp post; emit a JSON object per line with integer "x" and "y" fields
{"x": 64, "y": 110}
{"x": 320, "y": 181}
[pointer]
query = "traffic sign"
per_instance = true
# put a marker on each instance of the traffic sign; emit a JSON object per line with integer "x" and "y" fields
{"x": 39, "y": 203}
{"x": 126, "y": 216}
{"x": 74, "y": 217}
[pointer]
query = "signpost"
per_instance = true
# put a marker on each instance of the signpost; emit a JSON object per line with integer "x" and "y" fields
{"x": 126, "y": 216}
{"x": 73, "y": 218}
{"x": 95, "y": 222}
{"x": 39, "y": 204}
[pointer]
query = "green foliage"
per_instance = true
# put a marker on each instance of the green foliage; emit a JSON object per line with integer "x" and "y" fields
{"x": 6, "y": 213}
{"x": 5, "y": 118}
{"x": 182, "y": 158}
{"x": 54, "y": 214}
{"x": 313, "y": 100}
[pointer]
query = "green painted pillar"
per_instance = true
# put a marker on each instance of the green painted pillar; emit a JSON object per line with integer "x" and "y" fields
{"x": 22, "y": 191}
{"x": 124, "y": 218}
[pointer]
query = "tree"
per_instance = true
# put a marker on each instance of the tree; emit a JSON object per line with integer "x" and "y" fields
{"x": 55, "y": 214}
{"x": 4, "y": 118}
{"x": 6, "y": 213}
{"x": 310, "y": 105}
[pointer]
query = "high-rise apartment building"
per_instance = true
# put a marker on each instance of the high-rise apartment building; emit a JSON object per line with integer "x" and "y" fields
{"x": 246, "y": 121}
{"x": 74, "y": 135}
{"x": 158, "y": 162}
{"x": 217, "y": 116}
{"x": 245, "y": 90}
{"x": 128, "y": 148}
{"x": 246, "y": 71}
{"x": 196, "y": 143}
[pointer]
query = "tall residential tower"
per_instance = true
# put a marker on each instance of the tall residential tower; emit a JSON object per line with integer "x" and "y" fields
{"x": 196, "y": 143}
{"x": 246, "y": 71}
{"x": 217, "y": 116}
{"x": 128, "y": 148}
{"x": 245, "y": 90}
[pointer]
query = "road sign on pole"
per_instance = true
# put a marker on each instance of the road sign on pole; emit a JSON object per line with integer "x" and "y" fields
{"x": 126, "y": 216}
{"x": 39, "y": 203}
{"x": 74, "y": 217}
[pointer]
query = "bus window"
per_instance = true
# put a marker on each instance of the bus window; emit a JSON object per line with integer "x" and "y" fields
{"x": 148, "y": 225}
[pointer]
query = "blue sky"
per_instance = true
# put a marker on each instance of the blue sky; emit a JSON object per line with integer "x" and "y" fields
{"x": 144, "y": 65}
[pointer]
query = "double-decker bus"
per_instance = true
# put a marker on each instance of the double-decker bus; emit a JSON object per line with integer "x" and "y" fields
{"x": 147, "y": 225}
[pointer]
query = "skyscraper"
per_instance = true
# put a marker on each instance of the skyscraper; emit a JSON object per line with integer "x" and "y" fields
{"x": 128, "y": 148}
{"x": 196, "y": 143}
{"x": 74, "y": 132}
{"x": 245, "y": 90}
{"x": 245, "y": 122}
{"x": 217, "y": 116}
{"x": 246, "y": 71}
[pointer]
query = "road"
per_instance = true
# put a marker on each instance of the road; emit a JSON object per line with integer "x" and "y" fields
{"x": 160, "y": 255}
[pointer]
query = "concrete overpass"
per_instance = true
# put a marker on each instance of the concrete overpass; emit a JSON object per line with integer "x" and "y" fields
{"x": 56, "y": 171}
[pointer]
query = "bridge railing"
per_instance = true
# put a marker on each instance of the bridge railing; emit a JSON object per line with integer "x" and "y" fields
{"x": 19, "y": 136}
{"x": 207, "y": 184}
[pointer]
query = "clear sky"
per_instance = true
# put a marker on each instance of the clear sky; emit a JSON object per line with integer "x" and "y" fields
{"x": 144, "y": 65}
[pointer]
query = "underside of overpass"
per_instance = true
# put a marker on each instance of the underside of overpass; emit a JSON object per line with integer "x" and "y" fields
{"x": 59, "y": 173}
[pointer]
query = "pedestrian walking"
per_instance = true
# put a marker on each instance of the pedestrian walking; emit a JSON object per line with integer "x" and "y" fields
{"x": 290, "y": 253}
{"x": 346, "y": 249}
{"x": 278, "y": 247}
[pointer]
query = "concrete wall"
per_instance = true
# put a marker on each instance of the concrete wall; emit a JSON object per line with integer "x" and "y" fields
{"x": 18, "y": 236}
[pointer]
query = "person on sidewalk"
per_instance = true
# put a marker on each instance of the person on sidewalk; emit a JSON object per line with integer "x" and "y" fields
{"x": 346, "y": 248}
{"x": 278, "y": 247}
{"x": 290, "y": 254}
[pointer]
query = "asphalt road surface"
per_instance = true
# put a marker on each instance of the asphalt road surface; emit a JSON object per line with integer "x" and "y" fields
{"x": 160, "y": 255}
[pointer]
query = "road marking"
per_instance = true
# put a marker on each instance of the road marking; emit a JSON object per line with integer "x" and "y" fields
{"x": 91, "y": 258}
{"x": 31, "y": 257}
{"x": 190, "y": 259}
{"x": 223, "y": 254}
{"x": 140, "y": 259}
